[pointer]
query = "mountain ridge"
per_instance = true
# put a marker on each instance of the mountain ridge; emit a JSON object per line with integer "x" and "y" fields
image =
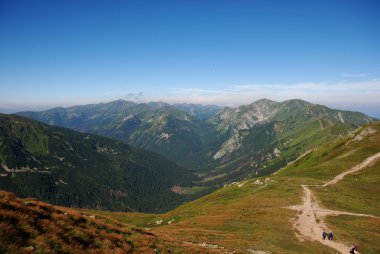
{"x": 233, "y": 141}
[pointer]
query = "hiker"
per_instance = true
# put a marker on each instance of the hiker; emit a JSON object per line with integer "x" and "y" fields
{"x": 324, "y": 234}
{"x": 354, "y": 249}
{"x": 330, "y": 237}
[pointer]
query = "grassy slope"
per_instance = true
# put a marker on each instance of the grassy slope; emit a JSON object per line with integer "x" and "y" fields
{"x": 252, "y": 216}
{"x": 32, "y": 226}
{"x": 237, "y": 218}
{"x": 355, "y": 193}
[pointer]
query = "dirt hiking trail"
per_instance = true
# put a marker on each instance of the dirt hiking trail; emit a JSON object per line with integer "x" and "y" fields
{"x": 370, "y": 160}
{"x": 309, "y": 221}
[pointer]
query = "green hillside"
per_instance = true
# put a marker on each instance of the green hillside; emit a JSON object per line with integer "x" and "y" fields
{"x": 64, "y": 167}
{"x": 265, "y": 135}
{"x": 255, "y": 215}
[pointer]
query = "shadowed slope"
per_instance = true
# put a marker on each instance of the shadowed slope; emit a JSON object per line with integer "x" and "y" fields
{"x": 68, "y": 168}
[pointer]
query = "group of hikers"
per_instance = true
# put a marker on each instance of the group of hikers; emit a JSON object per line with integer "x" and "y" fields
{"x": 330, "y": 236}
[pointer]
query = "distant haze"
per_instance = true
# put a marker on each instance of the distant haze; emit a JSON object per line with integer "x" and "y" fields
{"x": 370, "y": 111}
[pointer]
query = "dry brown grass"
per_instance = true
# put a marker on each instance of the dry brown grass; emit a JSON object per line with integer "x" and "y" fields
{"x": 30, "y": 226}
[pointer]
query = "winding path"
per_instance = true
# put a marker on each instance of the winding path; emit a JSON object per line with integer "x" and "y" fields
{"x": 370, "y": 160}
{"x": 309, "y": 222}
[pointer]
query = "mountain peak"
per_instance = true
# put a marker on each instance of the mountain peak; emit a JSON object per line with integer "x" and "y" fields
{"x": 121, "y": 102}
{"x": 263, "y": 101}
{"x": 297, "y": 102}
{"x": 158, "y": 104}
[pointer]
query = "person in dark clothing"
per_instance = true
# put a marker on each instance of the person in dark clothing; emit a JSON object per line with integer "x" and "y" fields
{"x": 324, "y": 234}
{"x": 354, "y": 249}
{"x": 330, "y": 237}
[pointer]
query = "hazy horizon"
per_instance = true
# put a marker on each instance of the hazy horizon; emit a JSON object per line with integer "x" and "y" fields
{"x": 210, "y": 52}
{"x": 138, "y": 101}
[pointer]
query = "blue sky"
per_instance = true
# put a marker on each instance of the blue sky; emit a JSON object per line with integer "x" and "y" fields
{"x": 61, "y": 53}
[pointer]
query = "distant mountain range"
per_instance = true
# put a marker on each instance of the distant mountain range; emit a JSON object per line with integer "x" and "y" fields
{"x": 202, "y": 112}
{"x": 156, "y": 126}
{"x": 69, "y": 168}
{"x": 220, "y": 144}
